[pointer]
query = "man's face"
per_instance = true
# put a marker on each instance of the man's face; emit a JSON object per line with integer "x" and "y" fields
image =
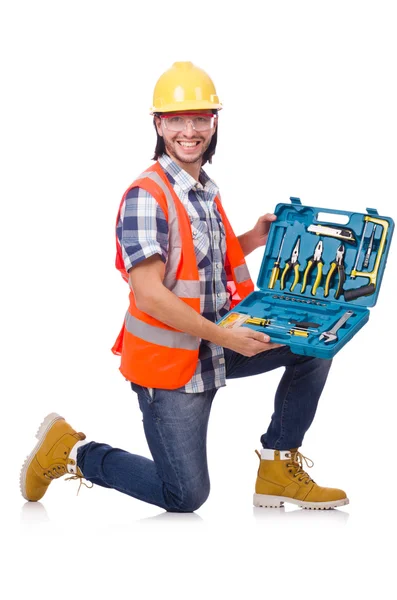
{"x": 188, "y": 145}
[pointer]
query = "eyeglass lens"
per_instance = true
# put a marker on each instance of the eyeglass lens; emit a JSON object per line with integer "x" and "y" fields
{"x": 179, "y": 123}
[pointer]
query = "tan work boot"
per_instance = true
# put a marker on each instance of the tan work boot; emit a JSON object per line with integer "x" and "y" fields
{"x": 50, "y": 458}
{"x": 281, "y": 478}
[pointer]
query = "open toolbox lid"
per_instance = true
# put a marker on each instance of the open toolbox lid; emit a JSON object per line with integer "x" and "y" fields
{"x": 357, "y": 230}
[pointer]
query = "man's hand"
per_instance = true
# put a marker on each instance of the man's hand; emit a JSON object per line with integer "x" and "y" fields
{"x": 261, "y": 230}
{"x": 248, "y": 342}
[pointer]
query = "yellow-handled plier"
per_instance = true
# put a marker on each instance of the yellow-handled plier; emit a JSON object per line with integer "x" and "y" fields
{"x": 336, "y": 264}
{"x": 292, "y": 263}
{"x": 313, "y": 262}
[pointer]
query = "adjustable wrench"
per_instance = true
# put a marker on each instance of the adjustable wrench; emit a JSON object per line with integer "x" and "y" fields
{"x": 331, "y": 334}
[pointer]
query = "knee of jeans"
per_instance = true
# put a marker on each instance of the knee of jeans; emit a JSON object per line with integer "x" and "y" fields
{"x": 326, "y": 363}
{"x": 191, "y": 499}
{"x": 315, "y": 362}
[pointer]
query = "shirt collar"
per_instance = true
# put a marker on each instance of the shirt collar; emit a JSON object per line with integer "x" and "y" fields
{"x": 185, "y": 181}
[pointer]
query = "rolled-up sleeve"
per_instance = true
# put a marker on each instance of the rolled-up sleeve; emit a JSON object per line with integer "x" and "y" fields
{"x": 142, "y": 229}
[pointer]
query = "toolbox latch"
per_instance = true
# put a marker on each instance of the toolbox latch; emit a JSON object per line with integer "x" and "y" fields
{"x": 295, "y": 201}
{"x": 373, "y": 212}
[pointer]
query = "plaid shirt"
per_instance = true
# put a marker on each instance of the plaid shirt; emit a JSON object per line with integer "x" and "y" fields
{"x": 143, "y": 231}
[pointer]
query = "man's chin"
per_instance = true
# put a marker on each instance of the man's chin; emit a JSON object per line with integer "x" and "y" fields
{"x": 190, "y": 159}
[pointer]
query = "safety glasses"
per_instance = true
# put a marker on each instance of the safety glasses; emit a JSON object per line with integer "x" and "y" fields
{"x": 179, "y": 121}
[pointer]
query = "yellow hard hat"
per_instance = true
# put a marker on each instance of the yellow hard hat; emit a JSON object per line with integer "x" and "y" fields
{"x": 184, "y": 87}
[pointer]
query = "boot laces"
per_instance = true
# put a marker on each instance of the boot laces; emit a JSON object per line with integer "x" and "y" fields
{"x": 78, "y": 476}
{"x": 81, "y": 477}
{"x": 59, "y": 470}
{"x": 55, "y": 472}
{"x": 297, "y": 463}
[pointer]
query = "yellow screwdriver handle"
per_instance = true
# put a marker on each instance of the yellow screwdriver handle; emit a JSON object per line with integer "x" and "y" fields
{"x": 258, "y": 321}
{"x": 274, "y": 276}
{"x": 329, "y": 277}
{"x": 318, "y": 278}
{"x": 299, "y": 333}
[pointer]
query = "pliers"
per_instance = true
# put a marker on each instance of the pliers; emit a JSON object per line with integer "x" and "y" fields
{"x": 336, "y": 264}
{"x": 292, "y": 263}
{"x": 314, "y": 262}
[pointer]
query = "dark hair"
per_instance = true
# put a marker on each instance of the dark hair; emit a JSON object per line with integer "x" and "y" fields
{"x": 208, "y": 154}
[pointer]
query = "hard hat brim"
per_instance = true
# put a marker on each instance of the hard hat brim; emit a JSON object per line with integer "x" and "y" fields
{"x": 186, "y": 105}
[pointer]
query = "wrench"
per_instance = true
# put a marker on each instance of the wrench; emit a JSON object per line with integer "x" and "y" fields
{"x": 331, "y": 334}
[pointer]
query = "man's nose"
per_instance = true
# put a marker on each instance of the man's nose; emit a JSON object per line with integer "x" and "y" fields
{"x": 189, "y": 131}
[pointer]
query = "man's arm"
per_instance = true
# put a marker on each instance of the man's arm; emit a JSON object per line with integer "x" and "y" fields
{"x": 256, "y": 237}
{"x": 247, "y": 242}
{"x": 153, "y": 298}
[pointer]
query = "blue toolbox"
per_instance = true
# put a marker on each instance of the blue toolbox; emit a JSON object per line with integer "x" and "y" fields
{"x": 321, "y": 271}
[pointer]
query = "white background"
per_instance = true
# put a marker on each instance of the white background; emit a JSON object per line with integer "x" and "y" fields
{"x": 309, "y": 95}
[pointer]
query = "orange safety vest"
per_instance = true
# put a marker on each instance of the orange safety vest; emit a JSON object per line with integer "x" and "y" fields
{"x": 154, "y": 354}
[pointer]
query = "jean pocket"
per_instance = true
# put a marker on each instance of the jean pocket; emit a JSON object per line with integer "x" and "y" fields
{"x": 149, "y": 394}
{"x": 143, "y": 392}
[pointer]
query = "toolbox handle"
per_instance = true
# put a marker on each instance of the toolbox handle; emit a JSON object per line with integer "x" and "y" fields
{"x": 297, "y": 204}
{"x": 373, "y": 212}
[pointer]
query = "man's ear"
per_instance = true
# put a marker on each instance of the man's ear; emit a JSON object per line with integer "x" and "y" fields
{"x": 157, "y": 121}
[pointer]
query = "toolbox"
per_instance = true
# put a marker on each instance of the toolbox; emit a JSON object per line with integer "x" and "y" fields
{"x": 321, "y": 271}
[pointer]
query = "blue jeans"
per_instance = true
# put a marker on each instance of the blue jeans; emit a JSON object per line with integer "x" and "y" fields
{"x": 175, "y": 425}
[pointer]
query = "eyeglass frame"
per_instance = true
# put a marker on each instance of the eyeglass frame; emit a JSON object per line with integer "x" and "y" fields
{"x": 178, "y": 114}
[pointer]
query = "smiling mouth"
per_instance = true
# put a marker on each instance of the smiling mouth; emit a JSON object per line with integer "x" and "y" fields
{"x": 188, "y": 144}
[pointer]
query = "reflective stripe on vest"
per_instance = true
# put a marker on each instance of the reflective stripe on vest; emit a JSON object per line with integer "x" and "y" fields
{"x": 241, "y": 273}
{"x": 162, "y": 337}
{"x": 175, "y": 242}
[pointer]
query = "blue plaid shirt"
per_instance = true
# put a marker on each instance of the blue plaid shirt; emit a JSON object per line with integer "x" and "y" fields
{"x": 143, "y": 231}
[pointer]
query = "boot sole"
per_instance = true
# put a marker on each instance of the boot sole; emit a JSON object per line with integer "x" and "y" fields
{"x": 40, "y": 435}
{"x": 265, "y": 501}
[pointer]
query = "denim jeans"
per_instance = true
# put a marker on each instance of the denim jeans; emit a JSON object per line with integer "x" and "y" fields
{"x": 175, "y": 425}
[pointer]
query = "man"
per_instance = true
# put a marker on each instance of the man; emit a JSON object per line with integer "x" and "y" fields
{"x": 186, "y": 269}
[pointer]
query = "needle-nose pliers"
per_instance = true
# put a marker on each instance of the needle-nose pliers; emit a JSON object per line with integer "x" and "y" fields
{"x": 313, "y": 262}
{"x": 336, "y": 264}
{"x": 292, "y": 264}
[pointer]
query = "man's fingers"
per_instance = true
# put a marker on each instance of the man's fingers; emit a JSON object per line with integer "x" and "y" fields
{"x": 268, "y": 217}
{"x": 261, "y": 337}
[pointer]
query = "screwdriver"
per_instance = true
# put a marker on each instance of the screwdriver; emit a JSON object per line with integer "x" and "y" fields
{"x": 276, "y": 266}
{"x": 303, "y": 332}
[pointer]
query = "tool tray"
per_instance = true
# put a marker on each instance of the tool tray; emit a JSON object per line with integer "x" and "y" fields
{"x": 298, "y": 315}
